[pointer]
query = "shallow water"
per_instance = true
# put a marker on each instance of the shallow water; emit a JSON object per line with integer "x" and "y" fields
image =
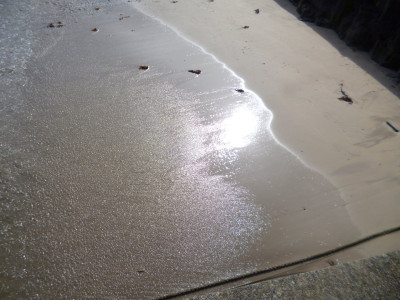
{"x": 119, "y": 182}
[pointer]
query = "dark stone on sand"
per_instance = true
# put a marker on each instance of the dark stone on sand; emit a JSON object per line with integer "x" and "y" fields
{"x": 366, "y": 25}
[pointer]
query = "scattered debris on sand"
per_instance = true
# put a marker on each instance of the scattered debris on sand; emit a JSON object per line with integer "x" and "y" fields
{"x": 195, "y": 71}
{"x": 124, "y": 17}
{"x": 345, "y": 97}
{"x": 58, "y": 25}
{"x": 391, "y": 126}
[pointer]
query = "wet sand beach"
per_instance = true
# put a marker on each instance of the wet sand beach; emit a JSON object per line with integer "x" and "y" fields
{"x": 299, "y": 75}
{"x": 122, "y": 181}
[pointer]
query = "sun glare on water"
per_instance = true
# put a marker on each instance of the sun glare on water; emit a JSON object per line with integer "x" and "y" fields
{"x": 238, "y": 130}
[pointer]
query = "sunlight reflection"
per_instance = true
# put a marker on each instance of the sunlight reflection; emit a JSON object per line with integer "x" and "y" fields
{"x": 239, "y": 129}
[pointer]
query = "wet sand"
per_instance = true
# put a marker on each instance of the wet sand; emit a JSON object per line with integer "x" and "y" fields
{"x": 143, "y": 183}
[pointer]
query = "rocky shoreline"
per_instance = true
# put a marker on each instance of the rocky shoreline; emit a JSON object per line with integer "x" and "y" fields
{"x": 366, "y": 25}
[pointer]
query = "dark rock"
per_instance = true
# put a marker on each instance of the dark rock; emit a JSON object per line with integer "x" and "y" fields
{"x": 386, "y": 50}
{"x": 367, "y": 25}
{"x": 307, "y": 11}
{"x": 360, "y": 32}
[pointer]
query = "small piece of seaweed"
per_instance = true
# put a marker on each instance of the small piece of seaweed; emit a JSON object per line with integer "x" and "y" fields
{"x": 58, "y": 25}
{"x": 345, "y": 97}
{"x": 124, "y": 17}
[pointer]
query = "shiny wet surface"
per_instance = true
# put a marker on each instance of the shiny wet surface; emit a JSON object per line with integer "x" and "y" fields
{"x": 138, "y": 184}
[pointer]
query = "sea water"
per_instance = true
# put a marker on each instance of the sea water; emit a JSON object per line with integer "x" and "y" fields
{"x": 121, "y": 182}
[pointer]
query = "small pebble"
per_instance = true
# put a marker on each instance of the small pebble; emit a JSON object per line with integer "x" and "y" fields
{"x": 331, "y": 262}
